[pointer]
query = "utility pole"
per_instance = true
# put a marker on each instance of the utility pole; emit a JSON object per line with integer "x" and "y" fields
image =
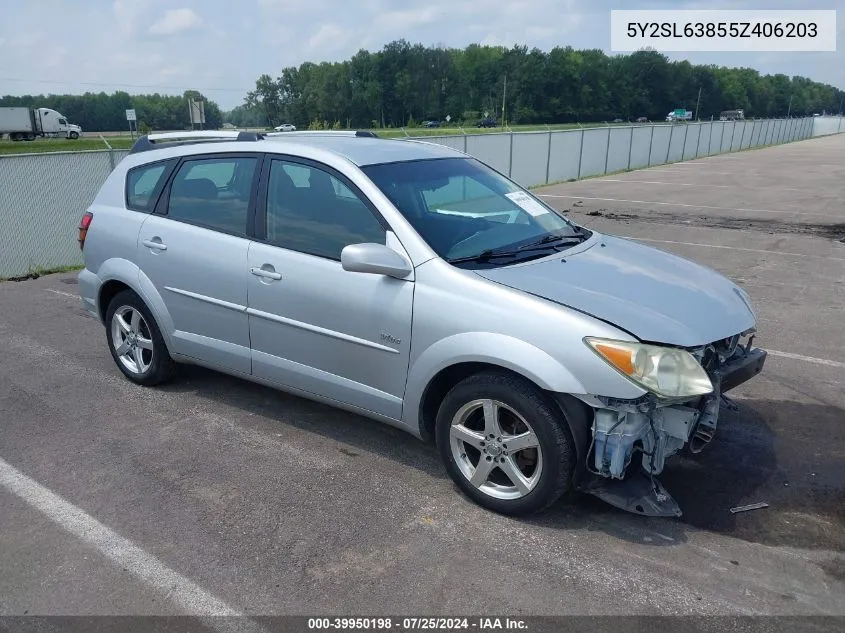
{"x": 698, "y": 103}
{"x": 789, "y": 110}
{"x": 504, "y": 96}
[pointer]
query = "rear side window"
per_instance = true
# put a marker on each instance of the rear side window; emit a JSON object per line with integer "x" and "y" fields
{"x": 214, "y": 193}
{"x": 144, "y": 183}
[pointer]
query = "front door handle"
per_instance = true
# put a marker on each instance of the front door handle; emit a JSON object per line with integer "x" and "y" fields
{"x": 267, "y": 274}
{"x": 155, "y": 243}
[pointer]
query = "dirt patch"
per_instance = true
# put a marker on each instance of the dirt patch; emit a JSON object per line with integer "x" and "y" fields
{"x": 827, "y": 231}
{"x": 610, "y": 215}
{"x": 835, "y": 569}
{"x": 22, "y": 277}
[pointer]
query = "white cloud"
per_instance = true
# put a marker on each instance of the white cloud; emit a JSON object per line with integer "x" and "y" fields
{"x": 41, "y": 46}
{"x": 289, "y": 7}
{"x": 330, "y": 38}
{"x": 175, "y": 70}
{"x": 407, "y": 19}
{"x": 542, "y": 32}
{"x": 496, "y": 39}
{"x": 176, "y": 21}
{"x": 126, "y": 14}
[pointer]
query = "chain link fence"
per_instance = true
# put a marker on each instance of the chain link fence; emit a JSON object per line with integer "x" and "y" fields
{"x": 545, "y": 157}
{"x": 42, "y": 199}
{"x": 43, "y": 196}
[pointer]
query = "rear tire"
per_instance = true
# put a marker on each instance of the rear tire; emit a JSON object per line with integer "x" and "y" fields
{"x": 135, "y": 341}
{"x": 504, "y": 444}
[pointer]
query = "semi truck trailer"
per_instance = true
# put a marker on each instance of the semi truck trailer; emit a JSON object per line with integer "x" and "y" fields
{"x": 26, "y": 124}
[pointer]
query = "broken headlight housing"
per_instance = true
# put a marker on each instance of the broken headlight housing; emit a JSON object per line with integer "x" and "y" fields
{"x": 667, "y": 372}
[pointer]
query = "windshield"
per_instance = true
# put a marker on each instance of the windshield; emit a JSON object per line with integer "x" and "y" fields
{"x": 464, "y": 210}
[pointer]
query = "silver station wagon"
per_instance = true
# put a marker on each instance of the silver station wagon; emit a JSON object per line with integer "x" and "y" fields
{"x": 411, "y": 283}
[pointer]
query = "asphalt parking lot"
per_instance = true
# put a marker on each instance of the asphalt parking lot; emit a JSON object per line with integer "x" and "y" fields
{"x": 212, "y": 495}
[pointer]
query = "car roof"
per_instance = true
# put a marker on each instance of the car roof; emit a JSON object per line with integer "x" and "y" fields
{"x": 364, "y": 151}
{"x": 361, "y": 150}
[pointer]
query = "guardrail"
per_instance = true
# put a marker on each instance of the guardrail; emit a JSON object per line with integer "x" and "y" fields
{"x": 43, "y": 196}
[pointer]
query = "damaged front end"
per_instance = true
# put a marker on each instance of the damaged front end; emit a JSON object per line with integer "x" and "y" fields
{"x": 631, "y": 439}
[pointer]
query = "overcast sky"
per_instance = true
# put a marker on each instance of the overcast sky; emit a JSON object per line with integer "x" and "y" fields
{"x": 221, "y": 46}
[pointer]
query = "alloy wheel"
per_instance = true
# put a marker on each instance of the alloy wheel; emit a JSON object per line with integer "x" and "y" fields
{"x": 496, "y": 449}
{"x": 132, "y": 339}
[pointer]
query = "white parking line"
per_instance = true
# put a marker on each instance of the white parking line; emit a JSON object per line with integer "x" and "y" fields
{"x": 678, "y": 204}
{"x": 692, "y": 184}
{"x": 657, "y": 182}
{"x": 655, "y": 170}
{"x": 738, "y": 248}
{"x": 808, "y": 359}
{"x": 64, "y": 294}
{"x": 121, "y": 551}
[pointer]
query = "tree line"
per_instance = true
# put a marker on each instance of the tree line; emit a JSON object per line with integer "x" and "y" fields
{"x": 101, "y": 112}
{"x": 403, "y": 84}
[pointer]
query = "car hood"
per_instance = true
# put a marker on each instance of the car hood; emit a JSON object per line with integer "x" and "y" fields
{"x": 656, "y": 296}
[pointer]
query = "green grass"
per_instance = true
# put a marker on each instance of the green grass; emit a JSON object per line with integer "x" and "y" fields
{"x": 39, "y": 271}
{"x": 41, "y": 145}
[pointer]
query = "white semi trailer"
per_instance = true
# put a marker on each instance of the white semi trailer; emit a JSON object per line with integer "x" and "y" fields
{"x": 25, "y": 124}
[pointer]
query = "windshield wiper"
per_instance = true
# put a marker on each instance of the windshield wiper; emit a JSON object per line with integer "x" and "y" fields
{"x": 557, "y": 240}
{"x": 552, "y": 240}
{"x": 549, "y": 241}
{"x": 483, "y": 256}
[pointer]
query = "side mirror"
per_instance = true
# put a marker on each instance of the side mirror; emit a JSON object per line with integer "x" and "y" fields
{"x": 373, "y": 258}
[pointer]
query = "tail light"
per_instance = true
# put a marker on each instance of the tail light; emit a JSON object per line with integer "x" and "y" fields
{"x": 83, "y": 227}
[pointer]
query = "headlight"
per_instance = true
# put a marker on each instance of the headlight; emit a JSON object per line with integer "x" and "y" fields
{"x": 665, "y": 371}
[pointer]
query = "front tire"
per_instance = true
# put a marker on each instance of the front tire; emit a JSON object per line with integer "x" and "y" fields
{"x": 135, "y": 342}
{"x": 504, "y": 444}
{"x": 73, "y": 135}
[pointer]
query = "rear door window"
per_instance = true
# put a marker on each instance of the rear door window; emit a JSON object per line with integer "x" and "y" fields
{"x": 144, "y": 183}
{"x": 214, "y": 193}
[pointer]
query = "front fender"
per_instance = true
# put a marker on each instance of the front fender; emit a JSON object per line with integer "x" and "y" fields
{"x": 127, "y": 272}
{"x": 484, "y": 347}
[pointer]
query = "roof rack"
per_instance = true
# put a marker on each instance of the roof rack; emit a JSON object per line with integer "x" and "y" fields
{"x": 359, "y": 133}
{"x": 151, "y": 141}
{"x": 159, "y": 139}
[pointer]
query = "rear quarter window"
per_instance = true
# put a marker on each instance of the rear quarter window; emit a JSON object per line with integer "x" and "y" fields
{"x": 144, "y": 184}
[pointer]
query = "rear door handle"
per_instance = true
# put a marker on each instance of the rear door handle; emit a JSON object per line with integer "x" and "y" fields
{"x": 268, "y": 274}
{"x": 155, "y": 244}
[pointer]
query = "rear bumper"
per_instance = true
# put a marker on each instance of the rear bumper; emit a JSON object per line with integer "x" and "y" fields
{"x": 89, "y": 289}
{"x": 737, "y": 371}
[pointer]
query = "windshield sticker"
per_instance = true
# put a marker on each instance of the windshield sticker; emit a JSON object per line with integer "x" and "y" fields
{"x": 527, "y": 203}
